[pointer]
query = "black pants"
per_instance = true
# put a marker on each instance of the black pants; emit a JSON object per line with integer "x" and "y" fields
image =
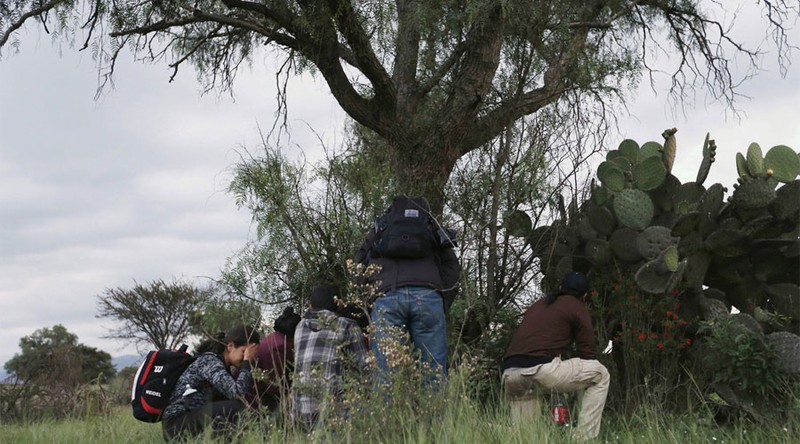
{"x": 222, "y": 415}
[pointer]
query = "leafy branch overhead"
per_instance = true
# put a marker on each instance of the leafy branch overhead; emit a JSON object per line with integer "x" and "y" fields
{"x": 435, "y": 79}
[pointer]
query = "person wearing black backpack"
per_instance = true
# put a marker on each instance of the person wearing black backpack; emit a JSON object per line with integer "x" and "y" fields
{"x": 206, "y": 393}
{"x": 418, "y": 277}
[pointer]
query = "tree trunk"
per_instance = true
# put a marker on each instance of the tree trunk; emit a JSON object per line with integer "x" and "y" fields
{"x": 423, "y": 168}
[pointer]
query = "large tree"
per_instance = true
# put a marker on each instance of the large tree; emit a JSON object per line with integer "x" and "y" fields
{"x": 436, "y": 79}
{"x": 159, "y": 314}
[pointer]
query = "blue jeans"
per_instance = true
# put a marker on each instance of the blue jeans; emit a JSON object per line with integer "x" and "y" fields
{"x": 418, "y": 311}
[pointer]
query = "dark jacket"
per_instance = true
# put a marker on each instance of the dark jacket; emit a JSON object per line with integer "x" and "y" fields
{"x": 275, "y": 358}
{"x": 548, "y": 330}
{"x": 439, "y": 271}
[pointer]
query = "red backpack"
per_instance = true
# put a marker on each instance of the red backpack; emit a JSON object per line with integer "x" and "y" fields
{"x": 155, "y": 380}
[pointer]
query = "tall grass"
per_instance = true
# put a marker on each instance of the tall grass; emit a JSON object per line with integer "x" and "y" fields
{"x": 460, "y": 419}
{"x": 461, "y": 423}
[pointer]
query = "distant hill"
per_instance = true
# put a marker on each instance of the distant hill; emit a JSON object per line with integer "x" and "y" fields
{"x": 123, "y": 361}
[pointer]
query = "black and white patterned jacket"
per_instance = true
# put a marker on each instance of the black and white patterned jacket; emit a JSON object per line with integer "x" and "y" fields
{"x": 204, "y": 377}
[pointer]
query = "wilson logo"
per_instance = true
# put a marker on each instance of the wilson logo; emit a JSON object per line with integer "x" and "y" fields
{"x": 152, "y": 393}
{"x": 158, "y": 369}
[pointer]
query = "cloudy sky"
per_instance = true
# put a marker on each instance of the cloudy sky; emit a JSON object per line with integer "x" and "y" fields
{"x": 95, "y": 194}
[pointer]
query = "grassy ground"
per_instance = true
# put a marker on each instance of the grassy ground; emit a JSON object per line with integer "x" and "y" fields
{"x": 463, "y": 423}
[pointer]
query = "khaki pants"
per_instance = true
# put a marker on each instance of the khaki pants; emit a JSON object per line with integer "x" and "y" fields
{"x": 523, "y": 387}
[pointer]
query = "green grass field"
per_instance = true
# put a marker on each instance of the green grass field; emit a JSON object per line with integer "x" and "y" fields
{"x": 462, "y": 423}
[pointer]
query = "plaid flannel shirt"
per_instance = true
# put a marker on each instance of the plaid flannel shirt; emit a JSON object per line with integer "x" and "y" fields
{"x": 327, "y": 347}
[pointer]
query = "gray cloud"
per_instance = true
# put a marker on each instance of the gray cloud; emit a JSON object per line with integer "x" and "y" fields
{"x": 97, "y": 194}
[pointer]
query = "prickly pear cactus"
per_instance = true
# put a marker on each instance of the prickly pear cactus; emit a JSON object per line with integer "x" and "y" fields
{"x": 686, "y": 240}
{"x": 787, "y": 350}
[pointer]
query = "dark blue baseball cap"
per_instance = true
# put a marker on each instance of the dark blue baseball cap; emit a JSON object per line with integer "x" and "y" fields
{"x": 574, "y": 283}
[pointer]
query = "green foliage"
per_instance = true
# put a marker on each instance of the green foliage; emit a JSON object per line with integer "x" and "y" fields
{"x": 60, "y": 379}
{"x": 741, "y": 358}
{"x": 119, "y": 388}
{"x": 218, "y": 312}
{"x": 309, "y": 219}
{"x": 42, "y": 350}
{"x": 648, "y": 334}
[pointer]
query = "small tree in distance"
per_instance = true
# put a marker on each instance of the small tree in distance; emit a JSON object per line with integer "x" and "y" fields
{"x": 158, "y": 314}
{"x": 56, "y": 348}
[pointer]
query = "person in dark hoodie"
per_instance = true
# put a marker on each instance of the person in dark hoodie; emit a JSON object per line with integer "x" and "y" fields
{"x": 327, "y": 348}
{"x": 206, "y": 393}
{"x": 416, "y": 291}
{"x": 276, "y": 361}
{"x": 533, "y": 361}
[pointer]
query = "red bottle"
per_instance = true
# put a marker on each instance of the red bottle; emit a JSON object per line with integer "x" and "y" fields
{"x": 559, "y": 412}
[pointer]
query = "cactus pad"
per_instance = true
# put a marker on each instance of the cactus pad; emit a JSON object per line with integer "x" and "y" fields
{"x": 713, "y": 309}
{"x": 686, "y": 223}
{"x": 585, "y": 230}
{"x": 726, "y": 243}
{"x": 651, "y": 278}
{"x": 662, "y": 196}
{"x": 653, "y": 240}
{"x": 630, "y": 150}
{"x": 517, "y": 223}
{"x": 669, "y": 258}
{"x": 711, "y": 201}
{"x": 755, "y": 161}
{"x": 753, "y": 194}
{"x": 690, "y": 243}
{"x": 787, "y": 201}
{"x": 676, "y": 277}
{"x": 785, "y": 297}
{"x": 670, "y": 146}
{"x": 741, "y": 166}
{"x": 623, "y": 245}
{"x": 598, "y": 252}
{"x": 633, "y": 208}
{"x": 541, "y": 240}
{"x": 689, "y": 192}
{"x": 697, "y": 268}
{"x": 748, "y": 322}
{"x": 709, "y": 153}
{"x": 783, "y": 163}
{"x": 611, "y": 175}
{"x": 786, "y": 346}
{"x": 601, "y": 219}
{"x": 650, "y": 149}
{"x": 649, "y": 174}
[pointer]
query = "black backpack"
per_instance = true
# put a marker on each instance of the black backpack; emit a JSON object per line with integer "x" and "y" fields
{"x": 155, "y": 380}
{"x": 406, "y": 230}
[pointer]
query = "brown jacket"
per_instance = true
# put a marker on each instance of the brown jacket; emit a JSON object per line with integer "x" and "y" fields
{"x": 548, "y": 330}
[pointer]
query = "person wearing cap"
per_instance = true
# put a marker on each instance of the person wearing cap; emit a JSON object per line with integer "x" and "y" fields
{"x": 328, "y": 348}
{"x": 535, "y": 361}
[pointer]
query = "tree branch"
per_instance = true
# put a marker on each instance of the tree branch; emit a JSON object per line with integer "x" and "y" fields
{"x": 366, "y": 60}
{"x": 406, "y": 56}
{"x": 24, "y": 17}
